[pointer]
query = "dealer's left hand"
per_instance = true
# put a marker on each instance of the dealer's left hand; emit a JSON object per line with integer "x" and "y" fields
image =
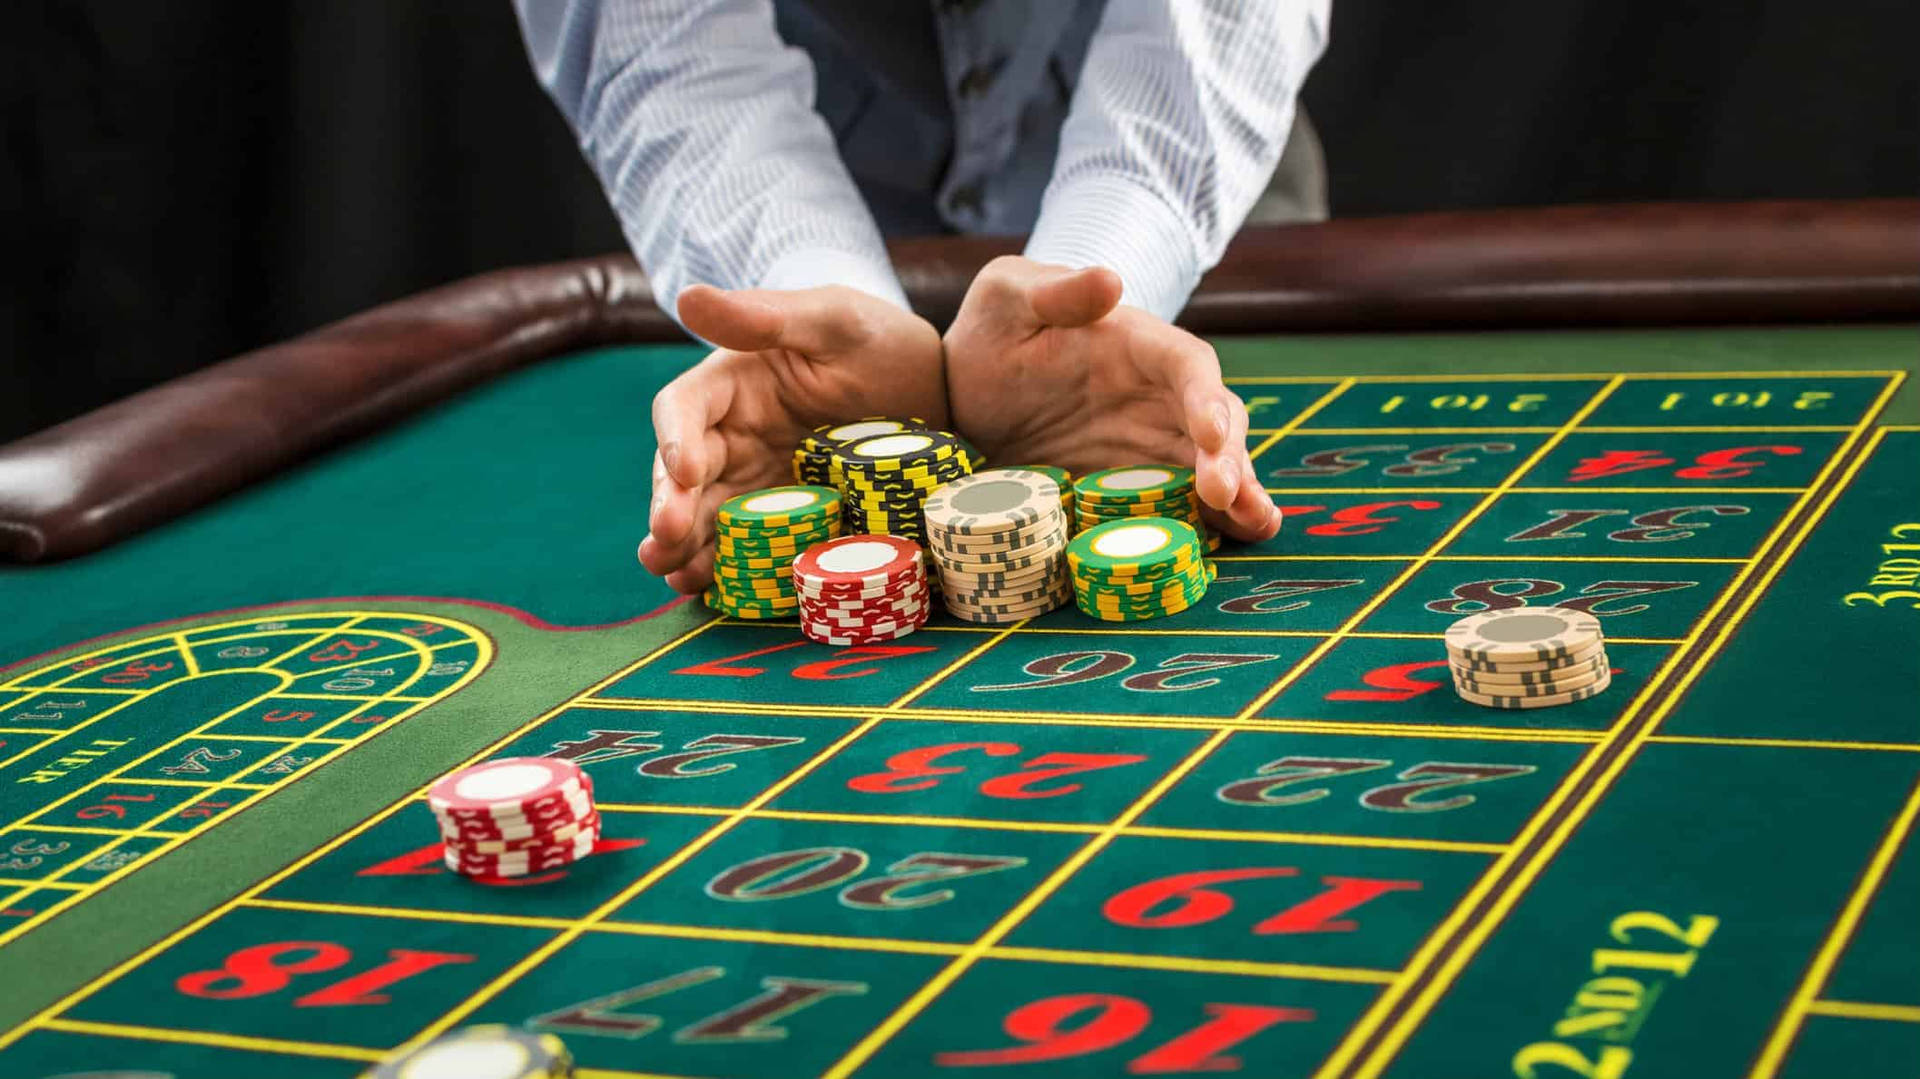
{"x": 1044, "y": 366}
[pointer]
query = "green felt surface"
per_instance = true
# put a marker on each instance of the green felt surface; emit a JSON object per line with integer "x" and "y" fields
{"x": 800, "y": 837}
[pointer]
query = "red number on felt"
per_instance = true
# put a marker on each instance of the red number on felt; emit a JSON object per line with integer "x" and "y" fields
{"x": 1197, "y": 904}
{"x": 1043, "y": 1025}
{"x": 916, "y": 766}
{"x": 1200, "y": 1049}
{"x": 264, "y": 969}
{"x": 1367, "y": 518}
{"x": 1724, "y": 464}
{"x": 1727, "y": 464}
{"x": 1617, "y": 463}
{"x": 913, "y": 769}
{"x": 278, "y": 716}
{"x": 135, "y": 672}
{"x": 824, "y": 670}
{"x": 1394, "y": 683}
{"x": 342, "y": 651}
{"x": 1193, "y": 902}
{"x": 95, "y": 812}
{"x": 425, "y": 862}
{"x": 723, "y": 668}
{"x": 1320, "y": 914}
{"x": 1023, "y": 784}
{"x": 364, "y": 987}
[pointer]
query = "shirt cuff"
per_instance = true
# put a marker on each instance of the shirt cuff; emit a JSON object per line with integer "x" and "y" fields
{"x": 812, "y": 267}
{"x": 1113, "y": 222}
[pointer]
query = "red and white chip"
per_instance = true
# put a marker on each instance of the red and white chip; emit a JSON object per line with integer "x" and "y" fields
{"x": 858, "y": 562}
{"x": 514, "y": 788}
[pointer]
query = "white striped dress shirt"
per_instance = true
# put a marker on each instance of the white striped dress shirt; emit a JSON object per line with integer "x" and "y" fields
{"x": 700, "y": 123}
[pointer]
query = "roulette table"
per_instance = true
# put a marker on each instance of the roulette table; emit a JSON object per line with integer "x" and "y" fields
{"x": 253, "y": 613}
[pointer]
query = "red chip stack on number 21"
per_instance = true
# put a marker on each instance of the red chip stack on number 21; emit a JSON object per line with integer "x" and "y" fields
{"x": 515, "y": 816}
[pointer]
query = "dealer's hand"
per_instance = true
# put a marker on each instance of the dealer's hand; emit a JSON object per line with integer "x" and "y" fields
{"x": 1044, "y": 367}
{"x": 787, "y": 363}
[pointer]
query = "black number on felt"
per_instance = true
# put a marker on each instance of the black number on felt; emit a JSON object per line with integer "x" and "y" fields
{"x": 1280, "y": 597}
{"x": 1426, "y": 779}
{"x": 1273, "y": 775}
{"x": 196, "y": 760}
{"x": 609, "y": 745}
{"x": 1410, "y": 796}
{"x": 751, "y": 1020}
{"x": 1069, "y": 668}
{"x": 787, "y": 874}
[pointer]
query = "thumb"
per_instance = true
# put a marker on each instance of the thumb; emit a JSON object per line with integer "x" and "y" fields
{"x": 1072, "y": 298}
{"x": 809, "y": 321}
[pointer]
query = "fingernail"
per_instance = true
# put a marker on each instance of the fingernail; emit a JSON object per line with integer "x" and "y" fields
{"x": 670, "y": 455}
{"x": 1222, "y": 423}
{"x": 653, "y": 508}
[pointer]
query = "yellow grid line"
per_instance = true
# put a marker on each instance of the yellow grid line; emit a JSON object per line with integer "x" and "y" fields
{"x": 1786, "y": 743}
{"x": 1236, "y": 835}
{"x": 1386, "y": 591}
{"x": 915, "y": 1004}
{"x": 79, "y": 994}
{"x": 1561, "y": 376}
{"x": 1413, "y": 490}
{"x": 679, "y": 857}
{"x": 998, "y": 931}
{"x": 1853, "y": 1009}
{"x": 223, "y": 1041}
{"x": 45, "y": 1015}
{"x": 1788, "y": 1027}
{"x": 1107, "y": 719}
{"x": 1477, "y": 934}
{"x": 172, "y": 839}
{"x": 1589, "y": 429}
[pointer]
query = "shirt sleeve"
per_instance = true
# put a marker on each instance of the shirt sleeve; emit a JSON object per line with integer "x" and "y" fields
{"x": 1182, "y": 110}
{"x": 699, "y": 122}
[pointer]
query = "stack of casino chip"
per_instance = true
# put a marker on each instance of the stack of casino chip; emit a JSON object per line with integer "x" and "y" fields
{"x": 861, "y": 589}
{"x": 1140, "y": 491}
{"x": 885, "y": 479}
{"x": 1138, "y": 568}
{"x": 492, "y": 1051}
{"x": 998, "y": 538}
{"x": 515, "y": 816}
{"x": 1064, "y": 479}
{"x": 813, "y": 458}
{"x": 1528, "y": 657}
{"x": 756, "y": 536}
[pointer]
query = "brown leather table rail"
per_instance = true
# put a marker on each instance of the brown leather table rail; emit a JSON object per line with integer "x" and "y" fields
{"x": 121, "y": 469}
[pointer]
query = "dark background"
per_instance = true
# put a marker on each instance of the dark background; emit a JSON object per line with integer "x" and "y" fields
{"x": 190, "y": 179}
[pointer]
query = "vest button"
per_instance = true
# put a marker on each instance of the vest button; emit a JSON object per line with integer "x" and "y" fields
{"x": 979, "y": 78}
